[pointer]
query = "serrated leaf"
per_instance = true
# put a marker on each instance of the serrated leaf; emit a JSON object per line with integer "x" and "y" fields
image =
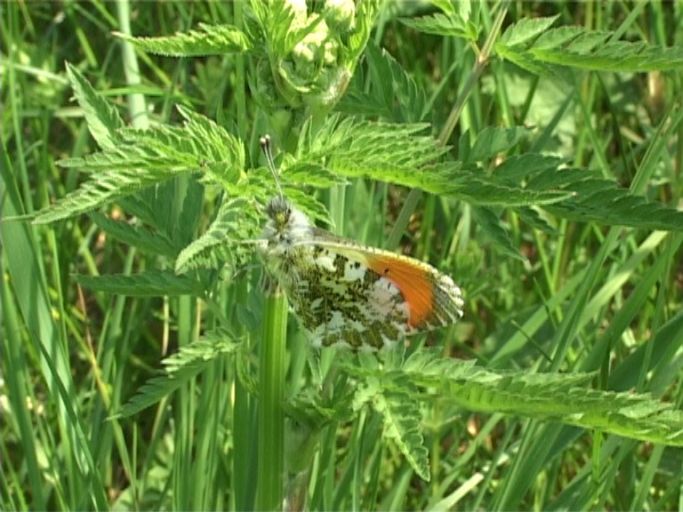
{"x": 477, "y": 188}
{"x": 576, "y": 47}
{"x": 141, "y": 158}
{"x": 493, "y": 140}
{"x": 597, "y": 199}
{"x": 208, "y": 40}
{"x": 402, "y": 418}
{"x": 102, "y": 118}
{"x": 397, "y": 153}
{"x": 395, "y": 86}
{"x": 526, "y": 29}
{"x": 557, "y": 397}
{"x": 444, "y": 5}
{"x": 389, "y": 92}
{"x": 100, "y": 190}
{"x": 312, "y": 174}
{"x": 187, "y": 363}
{"x": 489, "y": 223}
{"x": 382, "y": 151}
{"x": 619, "y": 56}
{"x": 150, "y": 283}
{"x": 442, "y": 25}
{"x": 222, "y": 243}
{"x": 137, "y": 236}
{"x": 534, "y": 219}
{"x": 517, "y": 167}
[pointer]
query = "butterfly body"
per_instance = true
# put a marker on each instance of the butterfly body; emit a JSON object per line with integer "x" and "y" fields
{"x": 351, "y": 295}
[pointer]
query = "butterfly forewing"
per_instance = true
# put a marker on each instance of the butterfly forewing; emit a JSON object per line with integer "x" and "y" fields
{"x": 352, "y": 295}
{"x": 348, "y": 294}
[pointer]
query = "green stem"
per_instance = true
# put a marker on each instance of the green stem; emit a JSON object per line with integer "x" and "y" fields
{"x": 480, "y": 64}
{"x": 271, "y": 417}
{"x": 136, "y": 101}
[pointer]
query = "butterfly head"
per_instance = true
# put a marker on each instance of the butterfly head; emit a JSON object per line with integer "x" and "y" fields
{"x": 285, "y": 226}
{"x": 279, "y": 212}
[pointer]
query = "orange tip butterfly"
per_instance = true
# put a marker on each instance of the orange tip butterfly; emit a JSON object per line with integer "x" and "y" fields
{"x": 348, "y": 294}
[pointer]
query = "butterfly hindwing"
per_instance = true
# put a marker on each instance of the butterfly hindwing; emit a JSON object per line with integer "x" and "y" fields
{"x": 348, "y": 294}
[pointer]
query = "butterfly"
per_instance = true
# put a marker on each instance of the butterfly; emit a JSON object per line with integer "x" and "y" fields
{"x": 348, "y": 294}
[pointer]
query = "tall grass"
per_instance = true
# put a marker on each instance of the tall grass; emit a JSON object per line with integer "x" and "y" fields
{"x": 549, "y": 288}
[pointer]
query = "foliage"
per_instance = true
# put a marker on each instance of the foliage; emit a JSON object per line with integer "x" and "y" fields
{"x": 572, "y": 312}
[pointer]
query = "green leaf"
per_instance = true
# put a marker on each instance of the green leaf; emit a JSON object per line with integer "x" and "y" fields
{"x": 188, "y": 362}
{"x": 517, "y": 167}
{"x": 526, "y": 29}
{"x": 150, "y": 283}
{"x": 556, "y": 397}
{"x": 490, "y": 225}
{"x": 590, "y": 196}
{"x": 312, "y": 174}
{"x": 618, "y": 56}
{"x": 443, "y": 25}
{"x": 223, "y": 243}
{"x": 478, "y": 188}
{"x": 402, "y": 418}
{"x": 382, "y": 151}
{"x": 597, "y": 199}
{"x": 493, "y": 140}
{"x": 137, "y": 236}
{"x": 141, "y": 158}
{"x": 102, "y": 118}
{"x": 397, "y": 153}
{"x": 530, "y": 44}
{"x": 393, "y": 93}
{"x": 208, "y": 40}
{"x": 100, "y": 190}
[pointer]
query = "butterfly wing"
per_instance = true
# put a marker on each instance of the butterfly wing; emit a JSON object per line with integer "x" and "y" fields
{"x": 348, "y": 294}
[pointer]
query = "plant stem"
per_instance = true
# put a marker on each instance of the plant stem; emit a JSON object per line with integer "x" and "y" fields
{"x": 480, "y": 63}
{"x": 136, "y": 101}
{"x": 271, "y": 395}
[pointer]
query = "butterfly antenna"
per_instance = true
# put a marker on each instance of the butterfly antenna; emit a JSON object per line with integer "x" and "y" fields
{"x": 265, "y": 147}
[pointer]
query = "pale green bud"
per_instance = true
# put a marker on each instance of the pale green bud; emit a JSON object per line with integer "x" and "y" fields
{"x": 340, "y": 14}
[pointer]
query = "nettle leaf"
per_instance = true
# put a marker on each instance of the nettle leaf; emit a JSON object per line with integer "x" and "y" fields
{"x": 312, "y": 174}
{"x": 525, "y": 30}
{"x": 402, "y": 420}
{"x": 494, "y": 140}
{"x": 179, "y": 369}
{"x": 531, "y": 44}
{"x": 381, "y": 151}
{"x": 478, "y": 188}
{"x": 515, "y": 168}
{"x": 100, "y": 190}
{"x": 208, "y": 40}
{"x": 150, "y": 283}
{"x": 397, "y": 153}
{"x": 556, "y": 397}
{"x": 590, "y": 196}
{"x": 393, "y": 93}
{"x": 137, "y": 236}
{"x": 492, "y": 228}
{"x": 102, "y": 118}
{"x": 224, "y": 241}
{"x": 597, "y": 199}
{"x": 443, "y": 25}
{"x": 141, "y": 158}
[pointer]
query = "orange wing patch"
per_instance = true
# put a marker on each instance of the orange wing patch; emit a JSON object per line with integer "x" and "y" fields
{"x": 414, "y": 282}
